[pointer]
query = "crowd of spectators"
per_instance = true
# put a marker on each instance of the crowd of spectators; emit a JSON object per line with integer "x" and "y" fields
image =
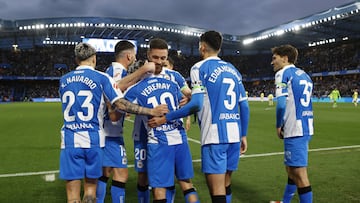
{"x": 54, "y": 61}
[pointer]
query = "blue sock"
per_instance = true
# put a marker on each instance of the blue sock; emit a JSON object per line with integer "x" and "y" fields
{"x": 170, "y": 194}
{"x": 228, "y": 194}
{"x": 143, "y": 193}
{"x": 305, "y": 194}
{"x": 189, "y": 192}
{"x": 101, "y": 189}
{"x": 289, "y": 192}
{"x": 118, "y": 191}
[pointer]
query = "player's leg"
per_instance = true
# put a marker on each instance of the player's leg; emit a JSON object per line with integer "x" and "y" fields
{"x": 159, "y": 194}
{"x": 170, "y": 194}
{"x": 143, "y": 191}
{"x": 102, "y": 185}
{"x": 214, "y": 164}
{"x": 290, "y": 188}
{"x": 161, "y": 169}
{"x": 73, "y": 188}
{"x": 189, "y": 191}
{"x": 300, "y": 177}
{"x": 296, "y": 160}
{"x": 89, "y": 190}
{"x": 228, "y": 186}
{"x": 93, "y": 171}
{"x": 118, "y": 161}
{"x": 184, "y": 171}
{"x": 140, "y": 153}
{"x": 118, "y": 184}
{"x": 233, "y": 158}
{"x": 72, "y": 169}
{"x": 216, "y": 185}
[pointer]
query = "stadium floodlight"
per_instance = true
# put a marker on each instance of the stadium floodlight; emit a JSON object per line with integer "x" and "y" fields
{"x": 248, "y": 41}
{"x": 279, "y": 32}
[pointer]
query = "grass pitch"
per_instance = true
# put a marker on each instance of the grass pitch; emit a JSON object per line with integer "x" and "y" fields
{"x": 30, "y": 146}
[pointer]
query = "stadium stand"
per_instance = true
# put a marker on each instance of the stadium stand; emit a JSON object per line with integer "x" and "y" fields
{"x": 34, "y": 53}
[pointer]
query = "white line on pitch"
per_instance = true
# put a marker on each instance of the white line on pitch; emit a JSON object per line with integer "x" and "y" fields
{"x": 196, "y": 160}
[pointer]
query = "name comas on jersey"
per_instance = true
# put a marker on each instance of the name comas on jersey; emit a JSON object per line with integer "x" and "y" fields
{"x": 154, "y": 86}
{"x": 307, "y": 113}
{"x": 225, "y": 68}
{"x": 80, "y": 78}
{"x": 229, "y": 116}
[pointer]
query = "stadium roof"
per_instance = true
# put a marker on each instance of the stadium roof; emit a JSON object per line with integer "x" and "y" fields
{"x": 333, "y": 25}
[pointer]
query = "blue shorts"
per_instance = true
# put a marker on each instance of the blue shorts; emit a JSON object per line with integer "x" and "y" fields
{"x": 166, "y": 160}
{"x": 296, "y": 151}
{"x": 114, "y": 153}
{"x": 140, "y": 153}
{"x": 78, "y": 163}
{"x": 219, "y": 158}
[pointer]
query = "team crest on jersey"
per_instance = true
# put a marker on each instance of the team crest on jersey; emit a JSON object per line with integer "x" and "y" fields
{"x": 116, "y": 75}
{"x": 287, "y": 155}
{"x": 166, "y": 76}
{"x": 140, "y": 164}
{"x": 124, "y": 160}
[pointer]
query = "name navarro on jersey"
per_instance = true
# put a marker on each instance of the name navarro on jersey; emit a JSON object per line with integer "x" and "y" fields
{"x": 80, "y": 78}
{"x": 215, "y": 74}
{"x": 154, "y": 86}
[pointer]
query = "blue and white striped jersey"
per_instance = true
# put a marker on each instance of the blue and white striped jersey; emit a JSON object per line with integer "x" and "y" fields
{"x": 115, "y": 129}
{"x": 151, "y": 92}
{"x": 82, "y": 93}
{"x": 221, "y": 84}
{"x": 175, "y": 77}
{"x": 140, "y": 122}
{"x": 297, "y": 86}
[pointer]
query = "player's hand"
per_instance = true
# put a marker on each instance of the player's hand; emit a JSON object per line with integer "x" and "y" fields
{"x": 148, "y": 67}
{"x": 156, "y": 121}
{"x": 244, "y": 145}
{"x": 160, "y": 110}
{"x": 184, "y": 100}
{"x": 280, "y": 132}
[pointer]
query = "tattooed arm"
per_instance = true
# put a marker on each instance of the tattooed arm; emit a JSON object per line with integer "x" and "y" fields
{"x": 129, "y": 107}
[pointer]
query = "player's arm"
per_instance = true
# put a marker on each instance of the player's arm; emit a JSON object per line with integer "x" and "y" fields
{"x": 114, "y": 115}
{"x": 131, "y": 79}
{"x": 187, "y": 93}
{"x": 129, "y": 107}
{"x": 280, "y": 111}
{"x": 193, "y": 106}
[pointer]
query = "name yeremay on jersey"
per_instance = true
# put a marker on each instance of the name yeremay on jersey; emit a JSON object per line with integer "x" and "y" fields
{"x": 151, "y": 92}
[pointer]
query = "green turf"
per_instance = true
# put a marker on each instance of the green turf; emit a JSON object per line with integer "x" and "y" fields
{"x": 30, "y": 142}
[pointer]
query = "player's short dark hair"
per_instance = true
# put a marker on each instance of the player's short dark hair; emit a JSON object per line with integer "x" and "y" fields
{"x": 213, "y": 39}
{"x": 84, "y": 51}
{"x": 122, "y": 46}
{"x": 286, "y": 50}
{"x": 158, "y": 43}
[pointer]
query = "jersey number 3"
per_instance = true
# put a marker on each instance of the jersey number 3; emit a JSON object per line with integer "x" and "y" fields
{"x": 308, "y": 86}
